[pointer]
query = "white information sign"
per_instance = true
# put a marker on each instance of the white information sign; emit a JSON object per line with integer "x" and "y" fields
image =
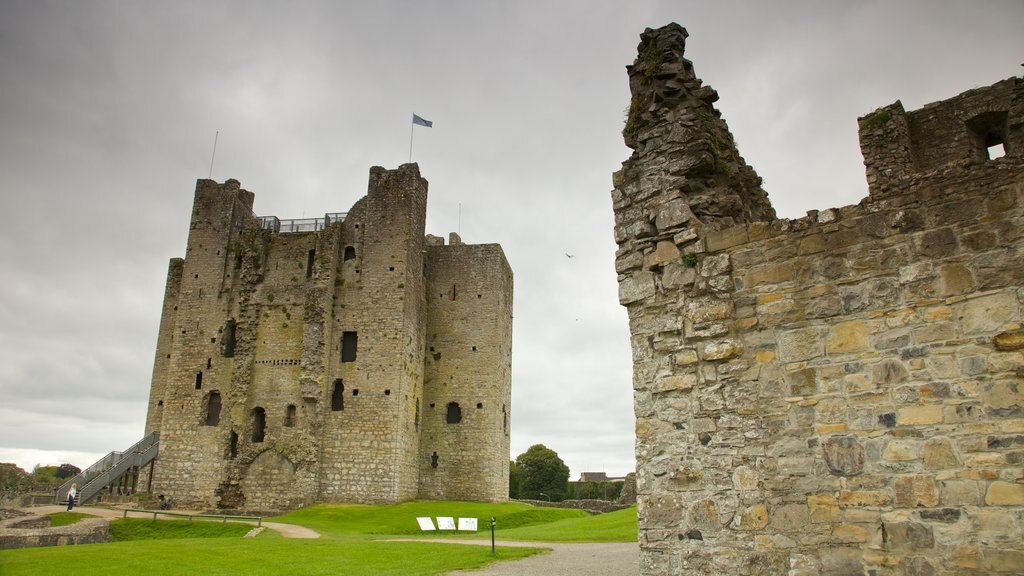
{"x": 467, "y": 524}
{"x": 425, "y": 523}
{"x": 445, "y": 523}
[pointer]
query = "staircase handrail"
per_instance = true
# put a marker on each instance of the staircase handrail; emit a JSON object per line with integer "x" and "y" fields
{"x": 96, "y": 477}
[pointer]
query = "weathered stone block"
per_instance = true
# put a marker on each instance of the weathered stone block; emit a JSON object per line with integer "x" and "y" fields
{"x": 847, "y": 337}
{"x": 1005, "y": 494}
{"x": 908, "y": 535}
{"x": 751, "y": 518}
{"x": 914, "y": 491}
{"x": 1004, "y": 398}
{"x": 823, "y": 508}
{"x": 636, "y": 286}
{"x": 1008, "y": 341}
{"x": 1002, "y": 561}
{"x": 872, "y": 498}
{"x": 938, "y": 454}
{"x": 672, "y": 214}
{"x": 919, "y": 415}
{"x": 988, "y": 313}
{"x": 955, "y": 279}
{"x": 844, "y": 455}
{"x": 722, "y": 350}
{"x": 849, "y": 534}
{"x": 889, "y": 372}
{"x": 722, "y": 239}
{"x": 675, "y": 383}
{"x": 801, "y": 344}
{"x": 663, "y": 253}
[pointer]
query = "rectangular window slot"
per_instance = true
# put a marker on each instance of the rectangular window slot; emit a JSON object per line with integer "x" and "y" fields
{"x": 349, "y": 343}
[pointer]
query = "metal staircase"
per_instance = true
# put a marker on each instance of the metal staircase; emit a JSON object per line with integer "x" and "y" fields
{"x": 109, "y": 468}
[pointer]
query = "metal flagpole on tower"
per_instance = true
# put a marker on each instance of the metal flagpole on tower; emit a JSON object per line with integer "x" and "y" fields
{"x": 416, "y": 120}
{"x": 412, "y": 129}
{"x": 214, "y": 155}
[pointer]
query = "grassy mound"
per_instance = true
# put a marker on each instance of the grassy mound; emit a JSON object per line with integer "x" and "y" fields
{"x": 126, "y": 529}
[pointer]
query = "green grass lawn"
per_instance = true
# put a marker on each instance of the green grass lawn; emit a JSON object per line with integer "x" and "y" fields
{"x": 65, "y": 518}
{"x": 400, "y": 519}
{"x": 127, "y": 529}
{"x": 254, "y": 557}
{"x": 348, "y": 545}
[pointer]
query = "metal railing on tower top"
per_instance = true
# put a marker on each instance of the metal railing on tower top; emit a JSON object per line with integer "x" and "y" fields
{"x": 301, "y": 224}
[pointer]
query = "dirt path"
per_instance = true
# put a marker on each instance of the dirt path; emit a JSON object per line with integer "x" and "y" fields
{"x": 286, "y": 530}
{"x": 594, "y": 559}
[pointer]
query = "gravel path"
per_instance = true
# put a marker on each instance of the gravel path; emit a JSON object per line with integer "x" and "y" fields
{"x": 286, "y": 530}
{"x": 602, "y": 559}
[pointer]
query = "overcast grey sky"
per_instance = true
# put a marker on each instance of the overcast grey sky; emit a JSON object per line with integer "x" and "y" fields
{"x": 108, "y": 111}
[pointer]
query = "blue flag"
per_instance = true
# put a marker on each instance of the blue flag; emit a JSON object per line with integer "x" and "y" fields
{"x": 417, "y": 120}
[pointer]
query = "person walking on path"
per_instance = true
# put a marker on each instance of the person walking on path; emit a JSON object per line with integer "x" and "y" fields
{"x": 72, "y": 492}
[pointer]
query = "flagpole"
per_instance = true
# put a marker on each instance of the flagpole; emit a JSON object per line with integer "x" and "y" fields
{"x": 412, "y": 128}
{"x": 214, "y": 155}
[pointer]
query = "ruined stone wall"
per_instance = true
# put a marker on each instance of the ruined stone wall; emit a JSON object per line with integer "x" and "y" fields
{"x": 255, "y": 322}
{"x": 468, "y": 360}
{"x": 838, "y": 394}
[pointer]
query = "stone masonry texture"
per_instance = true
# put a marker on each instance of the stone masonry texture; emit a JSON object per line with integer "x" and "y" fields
{"x": 300, "y": 364}
{"x": 838, "y": 394}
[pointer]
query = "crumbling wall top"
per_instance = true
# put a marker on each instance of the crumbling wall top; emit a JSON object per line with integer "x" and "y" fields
{"x": 680, "y": 141}
{"x": 980, "y": 125}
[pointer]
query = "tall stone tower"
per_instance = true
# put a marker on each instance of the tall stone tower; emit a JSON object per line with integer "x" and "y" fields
{"x": 292, "y": 364}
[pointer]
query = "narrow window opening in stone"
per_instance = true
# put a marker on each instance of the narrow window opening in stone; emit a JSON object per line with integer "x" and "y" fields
{"x": 391, "y": 268}
{"x": 289, "y": 416}
{"x": 416, "y": 420}
{"x": 474, "y": 348}
{"x": 338, "y": 396}
{"x": 431, "y": 404}
{"x": 227, "y": 341}
{"x": 259, "y": 424}
{"x": 209, "y": 363}
{"x": 349, "y": 343}
{"x": 233, "y": 445}
{"x": 350, "y": 253}
{"x": 309, "y": 264}
{"x": 455, "y": 293}
{"x": 387, "y": 392}
{"x": 479, "y": 296}
{"x": 213, "y": 409}
{"x": 504, "y": 418}
{"x": 199, "y": 380}
{"x": 159, "y": 402}
{"x": 355, "y": 391}
{"x": 213, "y": 340}
{"x": 433, "y": 460}
{"x": 988, "y": 131}
{"x": 479, "y": 405}
{"x": 454, "y": 414}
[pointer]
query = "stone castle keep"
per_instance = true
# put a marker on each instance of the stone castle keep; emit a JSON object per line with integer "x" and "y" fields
{"x": 843, "y": 393}
{"x": 343, "y": 359}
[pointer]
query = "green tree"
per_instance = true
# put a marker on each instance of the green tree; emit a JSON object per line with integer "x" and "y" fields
{"x": 543, "y": 474}
{"x": 515, "y": 479}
